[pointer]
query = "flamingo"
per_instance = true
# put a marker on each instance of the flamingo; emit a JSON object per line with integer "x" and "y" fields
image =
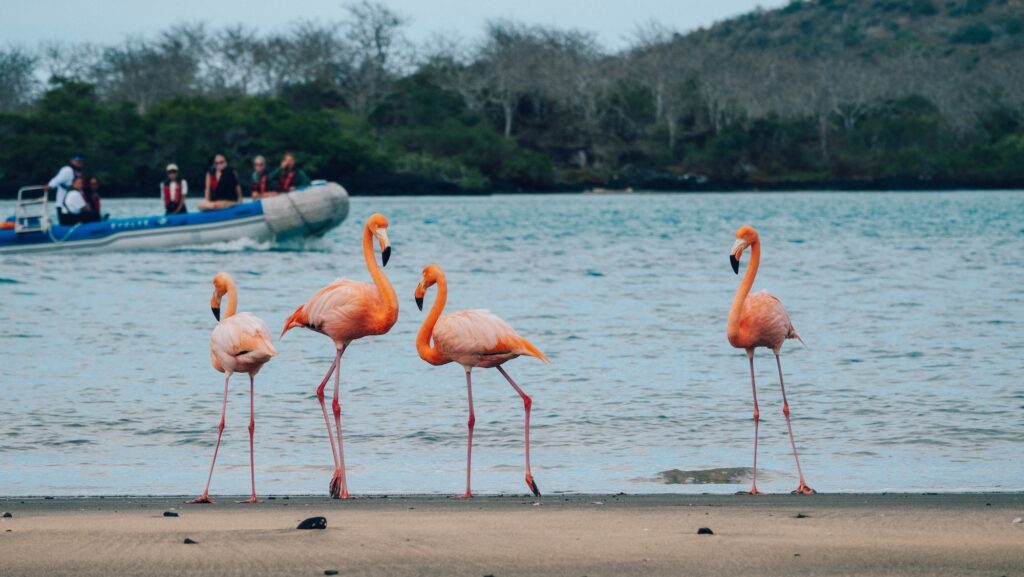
{"x": 471, "y": 338}
{"x": 346, "y": 310}
{"x": 760, "y": 320}
{"x": 240, "y": 343}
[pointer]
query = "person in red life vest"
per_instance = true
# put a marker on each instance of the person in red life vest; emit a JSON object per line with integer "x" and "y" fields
{"x": 173, "y": 190}
{"x": 259, "y": 182}
{"x": 93, "y": 197}
{"x": 222, "y": 187}
{"x": 288, "y": 177}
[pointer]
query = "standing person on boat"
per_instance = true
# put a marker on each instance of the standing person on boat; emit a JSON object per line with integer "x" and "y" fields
{"x": 288, "y": 177}
{"x": 259, "y": 182}
{"x": 76, "y": 208}
{"x": 64, "y": 178}
{"x": 222, "y": 187}
{"x": 173, "y": 190}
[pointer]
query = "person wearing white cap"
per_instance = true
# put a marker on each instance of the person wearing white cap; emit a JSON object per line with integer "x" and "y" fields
{"x": 174, "y": 190}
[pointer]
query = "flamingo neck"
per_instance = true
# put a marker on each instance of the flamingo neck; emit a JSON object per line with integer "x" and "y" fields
{"x": 427, "y": 352}
{"x": 736, "y": 312}
{"x": 387, "y": 293}
{"x": 232, "y": 301}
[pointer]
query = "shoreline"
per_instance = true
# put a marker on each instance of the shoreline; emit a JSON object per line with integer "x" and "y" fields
{"x": 592, "y": 535}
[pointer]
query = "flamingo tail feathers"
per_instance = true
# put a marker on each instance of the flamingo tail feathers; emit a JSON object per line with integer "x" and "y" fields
{"x": 792, "y": 335}
{"x": 530, "y": 350}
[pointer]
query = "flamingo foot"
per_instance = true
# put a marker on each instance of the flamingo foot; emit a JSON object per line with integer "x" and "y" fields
{"x": 466, "y": 495}
{"x": 251, "y": 500}
{"x": 204, "y": 498}
{"x": 532, "y": 484}
{"x": 753, "y": 491}
{"x": 803, "y": 489}
{"x": 335, "y": 486}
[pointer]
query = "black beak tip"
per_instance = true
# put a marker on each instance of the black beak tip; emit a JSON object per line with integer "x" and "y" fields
{"x": 216, "y": 312}
{"x": 735, "y": 262}
{"x": 419, "y": 302}
{"x": 384, "y": 256}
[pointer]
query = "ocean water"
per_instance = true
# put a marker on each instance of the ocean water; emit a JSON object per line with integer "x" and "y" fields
{"x": 911, "y": 305}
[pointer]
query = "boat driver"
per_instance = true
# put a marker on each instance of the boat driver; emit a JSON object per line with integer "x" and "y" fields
{"x": 65, "y": 177}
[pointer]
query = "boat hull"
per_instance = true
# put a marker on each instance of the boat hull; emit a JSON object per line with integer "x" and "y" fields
{"x": 308, "y": 212}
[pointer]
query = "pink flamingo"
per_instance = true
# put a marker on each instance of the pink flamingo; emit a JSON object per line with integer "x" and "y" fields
{"x": 760, "y": 320}
{"x": 346, "y": 310}
{"x": 240, "y": 343}
{"x": 472, "y": 338}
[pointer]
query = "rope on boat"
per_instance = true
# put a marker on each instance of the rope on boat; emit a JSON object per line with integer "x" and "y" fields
{"x": 302, "y": 217}
{"x": 49, "y": 232}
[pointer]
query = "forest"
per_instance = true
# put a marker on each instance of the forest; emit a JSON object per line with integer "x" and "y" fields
{"x": 822, "y": 94}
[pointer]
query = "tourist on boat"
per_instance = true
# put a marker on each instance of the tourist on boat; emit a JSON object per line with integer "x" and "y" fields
{"x": 76, "y": 208}
{"x": 173, "y": 190}
{"x": 65, "y": 176}
{"x": 260, "y": 180}
{"x": 92, "y": 196}
{"x": 288, "y": 177}
{"x": 222, "y": 187}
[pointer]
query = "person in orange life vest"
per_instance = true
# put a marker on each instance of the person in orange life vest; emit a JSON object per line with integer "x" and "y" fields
{"x": 259, "y": 182}
{"x": 288, "y": 177}
{"x": 173, "y": 190}
{"x": 222, "y": 187}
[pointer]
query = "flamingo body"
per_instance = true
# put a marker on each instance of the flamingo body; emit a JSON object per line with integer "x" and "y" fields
{"x": 764, "y": 323}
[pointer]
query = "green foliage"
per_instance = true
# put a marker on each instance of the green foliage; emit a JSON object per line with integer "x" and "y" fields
{"x": 965, "y": 7}
{"x": 974, "y": 33}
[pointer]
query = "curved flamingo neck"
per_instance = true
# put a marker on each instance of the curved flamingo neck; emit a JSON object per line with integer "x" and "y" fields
{"x": 736, "y": 312}
{"x": 232, "y": 301}
{"x": 387, "y": 292}
{"x": 426, "y": 333}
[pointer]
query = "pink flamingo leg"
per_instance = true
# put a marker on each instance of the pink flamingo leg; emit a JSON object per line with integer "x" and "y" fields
{"x": 205, "y": 497}
{"x": 323, "y": 406}
{"x": 527, "y": 403}
{"x": 803, "y": 489}
{"x": 757, "y": 421}
{"x": 339, "y": 472}
{"x": 252, "y": 429}
{"x": 469, "y": 424}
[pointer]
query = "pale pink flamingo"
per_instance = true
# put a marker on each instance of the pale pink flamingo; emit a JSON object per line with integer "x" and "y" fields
{"x": 346, "y": 310}
{"x": 240, "y": 343}
{"x": 471, "y": 338}
{"x": 760, "y": 320}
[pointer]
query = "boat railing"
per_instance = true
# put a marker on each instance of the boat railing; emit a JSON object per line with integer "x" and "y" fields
{"x": 31, "y": 214}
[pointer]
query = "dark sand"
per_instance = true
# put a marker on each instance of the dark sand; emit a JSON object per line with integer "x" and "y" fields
{"x": 589, "y": 535}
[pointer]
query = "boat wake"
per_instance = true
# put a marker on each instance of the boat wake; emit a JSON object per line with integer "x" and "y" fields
{"x": 250, "y": 245}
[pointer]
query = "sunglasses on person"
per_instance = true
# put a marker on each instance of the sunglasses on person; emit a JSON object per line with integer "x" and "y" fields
{"x": 221, "y": 162}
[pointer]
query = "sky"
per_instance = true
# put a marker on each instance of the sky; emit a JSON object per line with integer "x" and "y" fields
{"x": 26, "y": 22}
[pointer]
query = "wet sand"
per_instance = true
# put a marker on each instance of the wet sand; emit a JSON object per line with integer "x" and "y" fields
{"x": 579, "y": 535}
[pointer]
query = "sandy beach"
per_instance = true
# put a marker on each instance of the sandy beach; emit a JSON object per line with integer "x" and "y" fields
{"x": 580, "y": 535}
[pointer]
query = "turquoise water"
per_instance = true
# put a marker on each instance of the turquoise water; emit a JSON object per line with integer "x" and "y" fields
{"x": 912, "y": 307}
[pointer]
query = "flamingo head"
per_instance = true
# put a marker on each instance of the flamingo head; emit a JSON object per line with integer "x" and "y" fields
{"x": 221, "y": 284}
{"x": 431, "y": 274}
{"x": 745, "y": 236}
{"x": 377, "y": 224}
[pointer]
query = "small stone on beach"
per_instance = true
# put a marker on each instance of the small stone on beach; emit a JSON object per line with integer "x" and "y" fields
{"x": 7, "y": 515}
{"x": 313, "y": 523}
{"x": 330, "y": 572}
{"x": 1018, "y": 520}
{"x": 801, "y": 516}
{"x": 705, "y": 531}
{"x": 190, "y": 541}
{"x": 170, "y": 514}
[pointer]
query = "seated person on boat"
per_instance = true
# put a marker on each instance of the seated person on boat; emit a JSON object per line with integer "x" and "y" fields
{"x": 259, "y": 182}
{"x": 288, "y": 177}
{"x": 92, "y": 195}
{"x": 173, "y": 190}
{"x": 222, "y": 187}
{"x": 76, "y": 208}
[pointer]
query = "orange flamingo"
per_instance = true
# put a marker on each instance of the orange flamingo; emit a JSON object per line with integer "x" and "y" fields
{"x": 240, "y": 343}
{"x": 472, "y": 338}
{"x": 346, "y": 310}
{"x": 760, "y": 320}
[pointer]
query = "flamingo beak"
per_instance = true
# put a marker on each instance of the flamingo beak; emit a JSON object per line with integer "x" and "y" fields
{"x": 216, "y": 313}
{"x": 420, "y": 293}
{"x": 215, "y": 303}
{"x": 735, "y": 253}
{"x": 385, "y": 246}
{"x": 419, "y": 302}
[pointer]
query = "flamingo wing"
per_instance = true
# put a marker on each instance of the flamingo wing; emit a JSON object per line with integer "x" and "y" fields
{"x": 766, "y": 320}
{"x": 241, "y": 342}
{"x": 480, "y": 333}
{"x": 344, "y": 310}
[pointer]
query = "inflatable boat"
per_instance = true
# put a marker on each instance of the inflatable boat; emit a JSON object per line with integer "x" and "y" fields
{"x": 305, "y": 212}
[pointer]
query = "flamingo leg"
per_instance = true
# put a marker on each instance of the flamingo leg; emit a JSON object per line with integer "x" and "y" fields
{"x": 323, "y": 406}
{"x": 803, "y": 489}
{"x": 252, "y": 429}
{"x": 527, "y": 403}
{"x": 205, "y": 497}
{"x": 339, "y": 473}
{"x": 469, "y": 424}
{"x": 757, "y": 422}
